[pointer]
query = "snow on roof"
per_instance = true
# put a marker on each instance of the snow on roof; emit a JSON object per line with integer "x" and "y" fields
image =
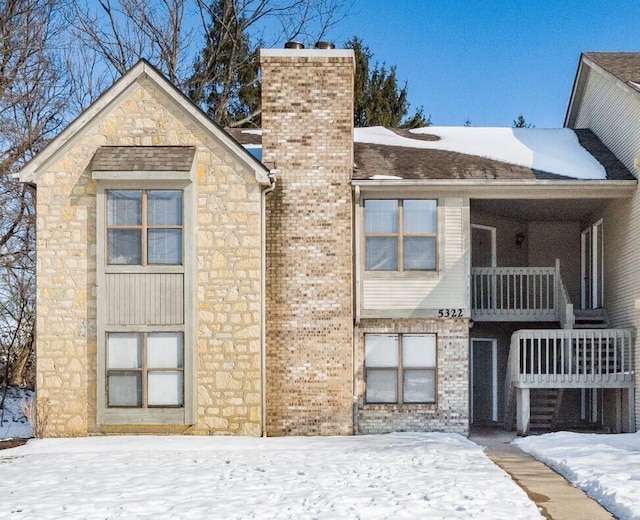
{"x": 555, "y": 150}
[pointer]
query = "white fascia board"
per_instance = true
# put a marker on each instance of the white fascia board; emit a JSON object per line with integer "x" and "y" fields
{"x": 522, "y": 189}
{"x": 91, "y": 115}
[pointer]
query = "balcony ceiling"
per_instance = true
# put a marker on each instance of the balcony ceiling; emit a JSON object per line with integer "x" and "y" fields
{"x": 540, "y": 210}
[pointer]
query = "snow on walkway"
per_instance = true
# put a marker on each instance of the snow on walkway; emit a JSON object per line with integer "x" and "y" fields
{"x": 606, "y": 467}
{"x": 397, "y": 476}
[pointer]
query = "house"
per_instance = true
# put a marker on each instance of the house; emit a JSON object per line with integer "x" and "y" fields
{"x": 348, "y": 282}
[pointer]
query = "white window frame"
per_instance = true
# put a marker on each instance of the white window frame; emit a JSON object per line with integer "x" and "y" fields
{"x": 400, "y": 369}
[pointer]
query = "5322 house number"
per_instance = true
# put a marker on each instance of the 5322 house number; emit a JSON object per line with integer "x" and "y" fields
{"x": 449, "y": 313}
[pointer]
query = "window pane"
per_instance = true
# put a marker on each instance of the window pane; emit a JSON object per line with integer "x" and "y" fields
{"x": 381, "y": 350}
{"x": 381, "y": 216}
{"x": 419, "y": 350}
{"x": 164, "y": 389}
{"x": 124, "y": 246}
{"x": 164, "y": 208}
{"x": 124, "y": 208}
{"x": 419, "y": 386}
{"x": 124, "y": 350}
{"x": 164, "y": 350}
{"x": 382, "y": 386}
{"x": 125, "y": 389}
{"x": 381, "y": 254}
{"x": 420, "y": 253}
{"x": 419, "y": 216}
{"x": 164, "y": 246}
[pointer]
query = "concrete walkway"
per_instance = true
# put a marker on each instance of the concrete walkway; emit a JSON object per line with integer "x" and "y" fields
{"x": 557, "y": 498}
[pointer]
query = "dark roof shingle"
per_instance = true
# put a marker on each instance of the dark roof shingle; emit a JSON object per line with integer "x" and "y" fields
{"x": 143, "y": 158}
{"x": 623, "y": 65}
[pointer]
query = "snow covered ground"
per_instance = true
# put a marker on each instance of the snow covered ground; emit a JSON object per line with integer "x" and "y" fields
{"x": 606, "y": 467}
{"x": 393, "y": 476}
{"x": 13, "y": 423}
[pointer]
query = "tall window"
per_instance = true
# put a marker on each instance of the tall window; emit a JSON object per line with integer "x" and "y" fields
{"x": 400, "y": 235}
{"x": 144, "y": 227}
{"x": 145, "y": 370}
{"x": 400, "y": 368}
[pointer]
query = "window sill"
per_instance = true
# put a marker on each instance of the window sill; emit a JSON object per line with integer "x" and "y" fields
{"x": 401, "y": 274}
{"x": 142, "y": 416}
{"x": 413, "y": 407}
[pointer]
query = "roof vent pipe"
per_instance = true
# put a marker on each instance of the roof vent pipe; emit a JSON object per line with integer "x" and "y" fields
{"x": 294, "y": 45}
{"x": 324, "y": 45}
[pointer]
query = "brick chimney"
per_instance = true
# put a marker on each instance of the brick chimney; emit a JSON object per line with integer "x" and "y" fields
{"x": 307, "y": 136}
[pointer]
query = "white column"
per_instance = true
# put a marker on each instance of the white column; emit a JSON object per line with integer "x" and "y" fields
{"x": 523, "y": 410}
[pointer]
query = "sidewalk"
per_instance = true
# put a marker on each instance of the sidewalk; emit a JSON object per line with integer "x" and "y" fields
{"x": 556, "y": 498}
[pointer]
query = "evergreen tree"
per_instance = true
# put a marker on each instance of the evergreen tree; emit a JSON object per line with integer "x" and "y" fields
{"x": 225, "y": 82}
{"x": 378, "y": 99}
{"x": 521, "y": 122}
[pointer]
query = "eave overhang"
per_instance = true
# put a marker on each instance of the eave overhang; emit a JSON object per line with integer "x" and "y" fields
{"x": 506, "y": 189}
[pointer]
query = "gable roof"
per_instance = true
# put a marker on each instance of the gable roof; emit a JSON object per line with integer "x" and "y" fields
{"x": 142, "y": 70}
{"x": 624, "y": 67}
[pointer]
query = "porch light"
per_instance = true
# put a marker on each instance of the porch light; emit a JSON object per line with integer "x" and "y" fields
{"x": 519, "y": 239}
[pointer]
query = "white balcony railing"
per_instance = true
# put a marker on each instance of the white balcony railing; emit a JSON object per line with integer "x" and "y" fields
{"x": 562, "y": 358}
{"x": 520, "y": 294}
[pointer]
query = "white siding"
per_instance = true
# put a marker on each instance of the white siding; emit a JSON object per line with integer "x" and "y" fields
{"x": 144, "y": 299}
{"x": 445, "y": 289}
{"x": 612, "y": 112}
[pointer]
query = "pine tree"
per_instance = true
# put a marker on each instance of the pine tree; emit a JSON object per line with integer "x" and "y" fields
{"x": 225, "y": 82}
{"x": 521, "y": 122}
{"x": 378, "y": 99}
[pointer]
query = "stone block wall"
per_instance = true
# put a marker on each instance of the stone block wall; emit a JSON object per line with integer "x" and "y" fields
{"x": 227, "y": 272}
{"x": 307, "y": 120}
{"x": 450, "y": 412}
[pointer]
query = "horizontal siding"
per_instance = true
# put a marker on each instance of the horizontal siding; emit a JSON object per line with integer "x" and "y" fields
{"x": 144, "y": 299}
{"x": 445, "y": 289}
{"x": 613, "y": 114}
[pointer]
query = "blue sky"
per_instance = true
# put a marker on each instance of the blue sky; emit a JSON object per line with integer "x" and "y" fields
{"x": 488, "y": 61}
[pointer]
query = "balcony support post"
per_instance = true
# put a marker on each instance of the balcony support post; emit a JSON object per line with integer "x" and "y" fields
{"x": 523, "y": 411}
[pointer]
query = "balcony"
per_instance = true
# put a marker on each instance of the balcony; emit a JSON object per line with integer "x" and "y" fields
{"x": 520, "y": 294}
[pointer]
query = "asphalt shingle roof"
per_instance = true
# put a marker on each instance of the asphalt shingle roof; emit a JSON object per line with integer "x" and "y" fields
{"x": 623, "y": 65}
{"x": 143, "y": 158}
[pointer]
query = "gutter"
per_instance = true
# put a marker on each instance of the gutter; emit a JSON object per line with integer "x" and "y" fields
{"x": 263, "y": 298}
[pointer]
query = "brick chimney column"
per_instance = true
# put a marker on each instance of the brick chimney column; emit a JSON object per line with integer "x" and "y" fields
{"x": 307, "y": 136}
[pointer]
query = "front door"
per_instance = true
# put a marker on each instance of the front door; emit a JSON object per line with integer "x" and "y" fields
{"x": 484, "y": 381}
{"x": 592, "y": 275}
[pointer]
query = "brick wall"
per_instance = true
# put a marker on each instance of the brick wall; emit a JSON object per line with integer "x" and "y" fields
{"x": 307, "y": 119}
{"x": 450, "y": 413}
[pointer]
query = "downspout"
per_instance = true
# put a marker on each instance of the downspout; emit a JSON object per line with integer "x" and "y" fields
{"x": 263, "y": 298}
{"x": 356, "y": 303}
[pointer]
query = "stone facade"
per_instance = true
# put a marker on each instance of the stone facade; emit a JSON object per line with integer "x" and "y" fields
{"x": 227, "y": 257}
{"x": 450, "y": 412}
{"x": 307, "y": 119}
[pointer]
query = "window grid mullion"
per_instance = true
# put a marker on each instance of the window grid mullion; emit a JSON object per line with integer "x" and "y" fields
{"x": 400, "y": 235}
{"x": 144, "y": 371}
{"x": 144, "y": 228}
{"x": 400, "y": 372}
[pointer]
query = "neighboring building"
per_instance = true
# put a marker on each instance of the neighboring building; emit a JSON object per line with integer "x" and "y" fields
{"x": 350, "y": 282}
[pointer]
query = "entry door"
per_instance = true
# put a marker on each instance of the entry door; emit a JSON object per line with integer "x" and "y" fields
{"x": 592, "y": 275}
{"x": 483, "y": 246}
{"x": 484, "y": 381}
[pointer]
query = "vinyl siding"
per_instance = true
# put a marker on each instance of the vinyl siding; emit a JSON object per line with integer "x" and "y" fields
{"x": 445, "y": 288}
{"x": 612, "y": 112}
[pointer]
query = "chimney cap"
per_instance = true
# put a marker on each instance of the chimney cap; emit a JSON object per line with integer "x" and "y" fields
{"x": 324, "y": 45}
{"x": 294, "y": 45}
